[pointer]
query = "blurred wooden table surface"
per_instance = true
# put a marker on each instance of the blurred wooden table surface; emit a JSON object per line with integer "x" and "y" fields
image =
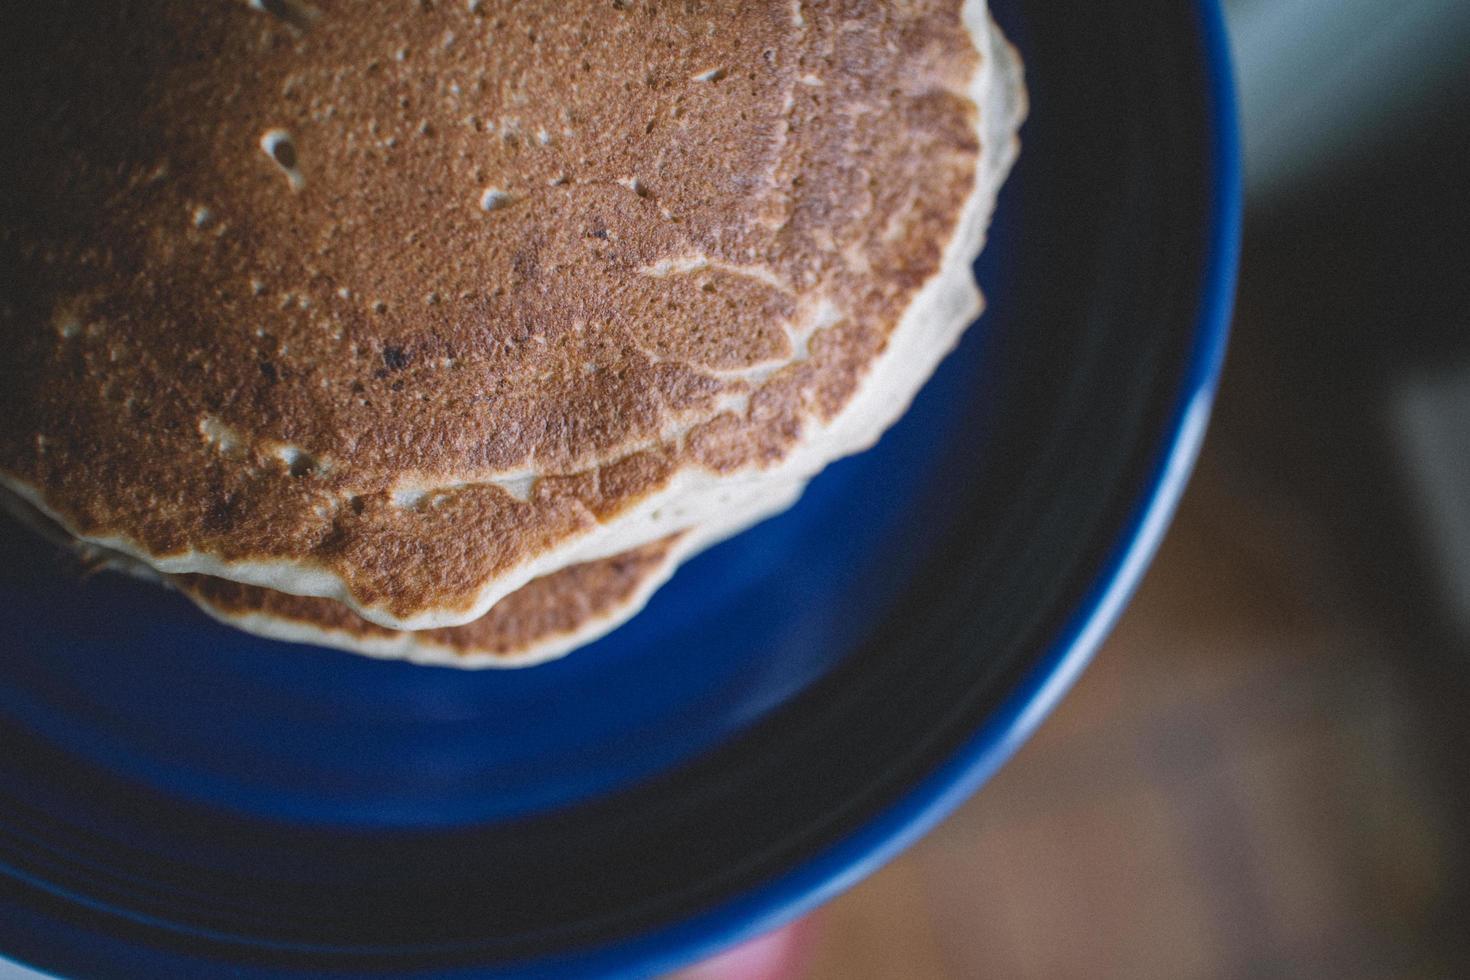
{"x": 1244, "y": 783}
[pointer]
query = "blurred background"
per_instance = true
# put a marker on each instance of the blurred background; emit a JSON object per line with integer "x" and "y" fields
{"x": 1263, "y": 773}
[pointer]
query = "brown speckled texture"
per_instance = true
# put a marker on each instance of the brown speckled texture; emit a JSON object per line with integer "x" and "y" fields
{"x": 540, "y": 619}
{"x": 541, "y": 612}
{"x": 207, "y": 353}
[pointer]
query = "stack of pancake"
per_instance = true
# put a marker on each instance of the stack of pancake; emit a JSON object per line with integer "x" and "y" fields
{"x": 446, "y": 333}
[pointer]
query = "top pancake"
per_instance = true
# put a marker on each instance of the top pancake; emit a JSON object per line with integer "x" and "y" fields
{"x": 406, "y": 310}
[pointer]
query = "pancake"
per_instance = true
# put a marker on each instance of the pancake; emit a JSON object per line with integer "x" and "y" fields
{"x": 408, "y": 311}
{"x": 546, "y": 618}
{"x": 543, "y": 619}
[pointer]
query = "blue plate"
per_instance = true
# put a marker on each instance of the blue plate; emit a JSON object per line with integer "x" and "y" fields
{"x": 792, "y": 709}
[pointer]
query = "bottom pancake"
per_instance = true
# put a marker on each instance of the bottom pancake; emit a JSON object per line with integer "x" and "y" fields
{"x": 546, "y": 618}
{"x": 543, "y": 619}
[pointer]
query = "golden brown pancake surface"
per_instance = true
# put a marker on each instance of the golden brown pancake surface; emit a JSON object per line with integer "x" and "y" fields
{"x": 412, "y": 301}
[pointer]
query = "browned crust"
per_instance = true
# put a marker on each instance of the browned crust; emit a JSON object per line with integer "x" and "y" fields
{"x": 549, "y": 613}
{"x": 162, "y": 270}
{"x": 544, "y": 610}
